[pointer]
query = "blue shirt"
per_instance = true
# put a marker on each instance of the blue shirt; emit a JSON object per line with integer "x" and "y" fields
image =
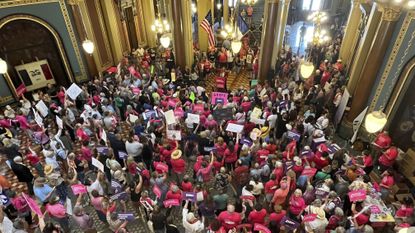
{"x": 42, "y": 192}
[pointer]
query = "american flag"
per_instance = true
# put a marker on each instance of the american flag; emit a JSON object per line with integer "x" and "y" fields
{"x": 205, "y": 24}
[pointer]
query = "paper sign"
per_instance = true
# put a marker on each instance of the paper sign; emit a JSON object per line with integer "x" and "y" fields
{"x": 193, "y": 118}
{"x": 170, "y": 118}
{"x": 133, "y": 118}
{"x": 59, "y": 122}
{"x": 98, "y": 164}
{"x": 68, "y": 205}
{"x": 150, "y": 114}
{"x": 289, "y": 223}
{"x": 261, "y": 228}
{"x": 333, "y": 148}
{"x": 199, "y": 196}
{"x": 116, "y": 186}
{"x": 38, "y": 118}
{"x": 42, "y": 108}
{"x": 246, "y": 141}
{"x": 102, "y": 150}
{"x": 126, "y": 216}
{"x": 310, "y": 172}
{"x": 219, "y": 98}
{"x": 135, "y": 90}
{"x": 172, "y": 102}
{"x": 190, "y": 196}
{"x": 307, "y": 153}
{"x": 73, "y": 91}
{"x": 263, "y": 92}
{"x": 256, "y": 113}
{"x": 293, "y": 135}
{"x": 78, "y": 189}
{"x": 174, "y": 135}
{"x": 198, "y": 108}
{"x": 21, "y": 89}
{"x": 162, "y": 167}
{"x": 235, "y": 128}
{"x": 179, "y": 113}
{"x": 32, "y": 205}
{"x": 374, "y": 209}
{"x": 223, "y": 114}
{"x": 257, "y": 121}
{"x": 157, "y": 191}
{"x": 357, "y": 195}
{"x": 104, "y": 136}
{"x": 309, "y": 217}
{"x": 171, "y": 202}
{"x": 254, "y": 82}
{"x": 209, "y": 149}
{"x": 321, "y": 193}
{"x": 122, "y": 154}
{"x": 119, "y": 196}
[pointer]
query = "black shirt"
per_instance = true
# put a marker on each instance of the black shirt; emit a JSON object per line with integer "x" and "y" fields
{"x": 159, "y": 221}
{"x": 172, "y": 229}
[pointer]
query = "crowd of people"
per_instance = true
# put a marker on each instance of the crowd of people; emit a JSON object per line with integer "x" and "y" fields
{"x": 145, "y": 142}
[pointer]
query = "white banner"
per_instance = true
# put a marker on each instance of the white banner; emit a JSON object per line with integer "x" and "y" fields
{"x": 357, "y": 122}
{"x": 342, "y": 107}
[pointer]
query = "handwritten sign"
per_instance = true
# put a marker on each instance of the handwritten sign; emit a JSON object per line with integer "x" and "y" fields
{"x": 98, "y": 164}
{"x": 126, "y": 216}
{"x": 32, "y": 205}
{"x": 235, "y": 128}
{"x": 157, "y": 191}
{"x": 357, "y": 195}
{"x": 293, "y": 135}
{"x": 78, "y": 189}
{"x": 374, "y": 209}
{"x": 189, "y": 196}
{"x": 170, "y": 118}
{"x": 132, "y": 118}
{"x": 257, "y": 121}
{"x": 42, "y": 108}
{"x": 219, "y": 98}
{"x": 174, "y": 135}
{"x": 193, "y": 118}
{"x": 59, "y": 122}
{"x": 289, "y": 223}
{"x": 256, "y": 113}
{"x": 310, "y": 172}
{"x": 73, "y": 91}
{"x": 119, "y": 196}
{"x": 309, "y": 217}
{"x": 171, "y": 202}
{"x": 261, "y": 228}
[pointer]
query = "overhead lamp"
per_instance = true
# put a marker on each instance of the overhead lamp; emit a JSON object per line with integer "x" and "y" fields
{"x": 375, "y": 121}
{"x": 219, "y": 5}
{"x": 88, "y": 46}
{"x": 165, "y": 41}
{"x": 306, "y": 69}
{"x": 236, "y": 46}
{"x": 411, "y": 4}
{"x": 3, "y": 66}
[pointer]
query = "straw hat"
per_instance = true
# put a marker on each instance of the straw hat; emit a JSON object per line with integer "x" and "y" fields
{"x": 118, "y": 175}
{"x": 48, "y": 169}
{"x": 176, "y": 154}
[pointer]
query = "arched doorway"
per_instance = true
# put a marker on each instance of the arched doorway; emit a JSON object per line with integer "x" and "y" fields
{"x": 401, "y": 108}
{"x": 25, "y": 39}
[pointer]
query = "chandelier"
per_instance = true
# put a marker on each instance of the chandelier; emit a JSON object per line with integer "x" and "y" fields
{"x": 160, "y": 26}
{"x": 231, "y": 33}
{"x": 375, "y": 121}
{"x": 3, "y": 66}
{"x": 249, "y": 2}
{"x": 88, "y": 46}
{"x": 319, "y": 35}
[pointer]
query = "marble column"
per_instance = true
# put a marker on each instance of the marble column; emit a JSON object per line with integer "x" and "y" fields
{"x": 353, "y": 22}
{"x": 203, "y": 7}
{"x": 149, "y": 18}
{"x": 356, "y": 66}
{"x": 285, "y": 8}
{"x": 188, "y": 32}
{"x": 225, "y": 12}
{"x": 178, "y": 33}
{"x": 269, "y": 32}
{"x": 374, "y": 60}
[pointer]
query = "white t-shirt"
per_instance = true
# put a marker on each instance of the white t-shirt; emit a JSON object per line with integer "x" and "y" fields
{"x": 258, "y": 187}
{"x": 96, "y": 186}
{"x": 6, "y": 226}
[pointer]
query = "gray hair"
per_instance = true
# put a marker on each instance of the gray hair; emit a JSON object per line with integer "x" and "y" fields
{"x": 338, "y": 211}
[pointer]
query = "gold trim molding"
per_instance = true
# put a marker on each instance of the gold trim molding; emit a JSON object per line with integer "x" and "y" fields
{"x": 392, "y": 57}
{"x": 55, "y": 34}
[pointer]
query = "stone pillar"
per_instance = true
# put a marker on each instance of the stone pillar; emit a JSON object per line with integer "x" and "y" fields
{"x": 283, "y": 16}
{"x": 355, "y": 67}
{"x": 351, "y": 29}
{"x": 269, "y": 32}
{"x": 374, "y": 60}
{"x": 225, "y": 8}
{"x": 149, "y": 18}
{"x": 178, "y": 33}
{"x": 203, "y": 7}
{"x": 187, "y": 30}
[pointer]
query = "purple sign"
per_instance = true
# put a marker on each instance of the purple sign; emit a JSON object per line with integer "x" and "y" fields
{"x": 119, "y": 196}
{"x": 126, "y": 216}
{"x": 116, "y": 186}
{"x": 289, "y": 223}
{"x": 189, "y": 196}
{"x": 122, "y": 154}
{"x": 245, "y": 141}
{"x": 333, "y": 148}
{"x": 293, "y": 135}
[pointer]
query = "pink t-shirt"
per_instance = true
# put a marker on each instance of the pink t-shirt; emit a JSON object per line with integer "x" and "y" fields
{"x": 96, "y": 202}
{"x": 229, "y": 220}
{"x": 56, "y": 210}
{"x": 297, "y": 204}
{"x": 22, "y": 121}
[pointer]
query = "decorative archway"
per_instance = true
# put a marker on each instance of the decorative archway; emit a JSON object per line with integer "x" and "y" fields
{"x": 61, "y": 63}
{"x": 401, "y": 108}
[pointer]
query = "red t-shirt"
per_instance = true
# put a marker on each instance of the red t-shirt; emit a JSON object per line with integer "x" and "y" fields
{"x": 229, "y": 220}
{"x": 319, "y": 161}
{"x": 171, "y": 195}
{"x": 388, "y": 158}
{"x": 271, "y": 186}
{"x": 33, "y": 159}
{"x": 277, "y": 216}
{"x": 187, "y": 186}
{"x": 178, "y": 165}
{"x": 257, "y": 216}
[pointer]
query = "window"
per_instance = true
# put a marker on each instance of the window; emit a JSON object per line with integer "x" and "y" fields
{"x": 312, "y": 5}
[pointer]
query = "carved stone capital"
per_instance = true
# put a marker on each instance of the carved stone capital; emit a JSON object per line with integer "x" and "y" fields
{"x": 390, "y": 13}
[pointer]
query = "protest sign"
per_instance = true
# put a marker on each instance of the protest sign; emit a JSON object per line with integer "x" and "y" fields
{"x": 172, "y": 102}
{"x": 189, "y": 196}
{"x": 198, "y": 108}
{"x": 21, "y": 89}
{"x": 59, "y": 122}
{"x": 126, "y": 216}
{"x": 174, "y": 135}
{"x": 261, "y": 228}
{"x": 171, "y": 202}
{"x": 235, "y": 128}
{"x": 223, "y": 114}
{"x": 98, "y": 164}
{"x": 357, "y": 195}
{"x": 73, "y": 91}
{"x": 119, "y": 196}
{"x": 162, "y": 167}
{"x": 179, "y": 113}
{"x": 321, "y": 193}
{"x": 251, "y": 198}
{"x": 157, "y": 191}
{"x": 310, "y": 172}
{"x": 42, "y": 108}
{"x": 102, "y": 150}
{"x": 309, "y": 217}
{"x": 133, "y": 118}
{"x": 256, "y": 113}
{"x": 219, "y": 98}
{"x": 333, "y": 148}
{"x": 78, "y": 189}
{"x": 170, "y": 118}
{"x": 257, "y": 121}
{"x": 289, "y": 223}
{"x": 293, "y": 135}
{"x": 32, "y": 205}
{"x": 193, "y": 118}
{"x": 150, "y": 114}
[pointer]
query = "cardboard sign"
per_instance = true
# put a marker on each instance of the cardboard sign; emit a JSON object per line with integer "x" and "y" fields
{"x": 157, "y": 191}
{"x": 309, "y": 217}
{"x": 172, "y": 102}
{"x": 189, "y": 196}
{"x": 78, "y": 189}
{"x": 333, "y": 148}
{"x": 73, "y": 91}
{"x": 59, "y": 122}
{"x": 170, "y": 118}
{"x": 219, "y": 98}
{"x": 126, "y": 216}
{"x": 132, "y": 118}
{"x": 307, "y": 153}
{"x": 33, "y": 205}
{"x": 289, "y": 223}
{"x": 171, "y": 202}
{"x": 42, "y": 108}
{"x": 293, "y": 135}
{"x": 310, "y": 172}
{"x": 357, "y": 195}
{"x": 174, "y": 135}
{"x": 150, "y": 115}
{"x": 223, "y": 114}
{"x": 198, "y": 108}
{"x": 261, "y": 228}
{"x": 193, "y": 118}
{"x": 21, "y": 89}
{"x": 257, "y": 121}
{"x": 98, "y": 164}
{"x": 235, "y": 128}
{"x": 162, "y": 167}
{"x": 119, "y": 196}
{"x": 256, "y": 113}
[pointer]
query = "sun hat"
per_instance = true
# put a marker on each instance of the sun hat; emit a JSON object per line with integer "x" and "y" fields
{"x": 48, "y": 169}
{"x": 176, "y": 154}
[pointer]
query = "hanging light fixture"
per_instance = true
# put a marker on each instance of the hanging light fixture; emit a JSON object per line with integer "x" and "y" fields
{"x": 375, "y": 121}
{"x": 165, "y": 41}
{"x": 88, "y": 46}
{"x": 3, "y": 66}
{"x": 236, "y": 45}
{"x": 306, "y": 69}
{"x": 160, "y": 25}
{"x": 249, "y": 2}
